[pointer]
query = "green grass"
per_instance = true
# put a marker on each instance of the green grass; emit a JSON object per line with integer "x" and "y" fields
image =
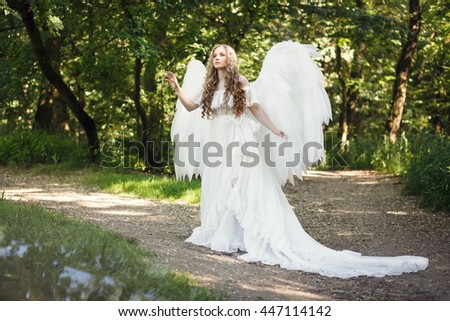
{"x": 370, "y": 153}
{"x": 154, "y": 187}
{"x": 46, "y": 256}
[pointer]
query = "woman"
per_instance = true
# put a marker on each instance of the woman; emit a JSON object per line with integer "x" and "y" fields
{"x": 243, "y": 207}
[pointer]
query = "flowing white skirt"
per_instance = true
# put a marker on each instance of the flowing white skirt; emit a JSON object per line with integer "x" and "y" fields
{"x": 244, "y": 208}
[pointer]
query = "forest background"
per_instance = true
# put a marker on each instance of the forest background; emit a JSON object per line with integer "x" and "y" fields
{"x": 81, "y": 82}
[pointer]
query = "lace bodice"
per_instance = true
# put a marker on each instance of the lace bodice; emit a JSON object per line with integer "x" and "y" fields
{"x": 220, "y": 107}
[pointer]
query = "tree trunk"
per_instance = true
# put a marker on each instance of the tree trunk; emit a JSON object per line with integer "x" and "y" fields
{"x": 148, "y": 125}
{"x": 137, "y": 99}
{"x": 44, "y": 112}
{"x": 448, "y": 121}
{"x": 149, "y": 158}
{"x": 344, "y": 117}
{"x": 402, "y": 71}
{"x": 352, "y": 96}
{"x": 25, "y": 10}
{"x": 51, "y": 114}
{"x": 156, "y": 114}
{"x": 438, "y": 125}
{"x": 356, "y": 74}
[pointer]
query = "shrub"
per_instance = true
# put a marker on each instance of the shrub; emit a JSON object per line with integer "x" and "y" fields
{"x": 392, "y": 158}
{"x": 428, "y": 174}
{"x": 36, "y": 147}
{"x": 369, "y": 153}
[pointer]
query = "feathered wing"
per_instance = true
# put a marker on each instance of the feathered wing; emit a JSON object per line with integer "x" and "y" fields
{"x": 188, "y": 127}
{"x": 291, "y": 91}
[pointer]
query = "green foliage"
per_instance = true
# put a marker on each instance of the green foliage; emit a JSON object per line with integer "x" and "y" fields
{"x": 392, "y": 158}
{"x": 356, "y": 154}
{"x": 428, "y": 102}
{"x": 46, "y": 256}
{"x": 30, "y": 147}
{"x": 100, "y": 43}
{"x": 372, "y": 153}
{"x": 428, "y": 174}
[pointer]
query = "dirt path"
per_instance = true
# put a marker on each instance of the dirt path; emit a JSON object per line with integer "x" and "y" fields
{"x": 359, "y": 211}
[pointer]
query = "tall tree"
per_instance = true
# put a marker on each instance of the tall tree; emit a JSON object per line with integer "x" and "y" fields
{"x": 51, "y": 114}
{"x": 356, "y": 76}
{"x": 402, "y": 70}
{"x": 135, "y": 35}
{"x": 146, "y": 30}
{"x": 344, "y": 115}
{"x": 25, "y": 10}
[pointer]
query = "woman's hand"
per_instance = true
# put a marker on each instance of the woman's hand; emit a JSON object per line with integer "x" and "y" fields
{"x": 259, "y": 113}
{"x": 280, "y": 133}
{"x": 172, "y": 80}
{"x": 185, "y": 100}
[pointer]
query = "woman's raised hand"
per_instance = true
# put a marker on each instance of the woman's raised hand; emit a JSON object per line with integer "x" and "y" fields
{"x": 172, "y": 79}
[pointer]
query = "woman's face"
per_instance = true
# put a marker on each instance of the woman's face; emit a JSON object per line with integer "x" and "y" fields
{"x": 220, "y": 60}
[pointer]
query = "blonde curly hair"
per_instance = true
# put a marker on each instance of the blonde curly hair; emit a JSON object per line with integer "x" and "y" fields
{"x": 232, "y": 84}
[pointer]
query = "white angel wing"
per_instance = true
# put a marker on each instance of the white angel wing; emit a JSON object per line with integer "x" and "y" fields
{"x": 290, "y": 89}
{"x": 188, "y": 127}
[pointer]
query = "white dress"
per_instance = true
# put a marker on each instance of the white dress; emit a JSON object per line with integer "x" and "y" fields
{"x": 243, "y": 206}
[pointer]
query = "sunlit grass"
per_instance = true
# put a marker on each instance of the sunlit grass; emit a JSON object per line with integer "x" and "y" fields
{"x": 153, "y": 187}
{"x": 46, "y": 256}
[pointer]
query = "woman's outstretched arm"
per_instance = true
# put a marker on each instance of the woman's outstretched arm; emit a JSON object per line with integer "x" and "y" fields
{"x": 259, "y": 113}
{"x": 187, "y": 103}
